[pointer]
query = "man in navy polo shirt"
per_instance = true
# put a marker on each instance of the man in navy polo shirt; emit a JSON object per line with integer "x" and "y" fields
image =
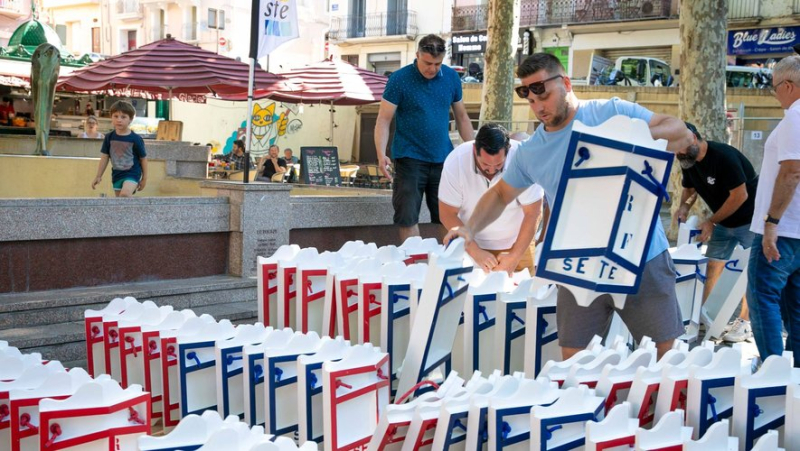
{"x": 421, "y": 94}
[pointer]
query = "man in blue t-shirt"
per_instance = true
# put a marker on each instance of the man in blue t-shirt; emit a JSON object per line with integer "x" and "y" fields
{"x": 421, "y": 94}
{"x": 654, "y": 310}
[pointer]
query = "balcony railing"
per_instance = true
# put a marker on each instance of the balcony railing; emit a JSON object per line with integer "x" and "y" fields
{"x": 190, "y": 31}
{"x": 400, "y": 23}
{"x": 128, "y": 7}
{"x": 559, "y": 12}
{"x": 744, "y": 9}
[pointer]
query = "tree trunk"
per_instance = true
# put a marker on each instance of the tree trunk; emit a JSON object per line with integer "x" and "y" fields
{"x": 498, "y": 68}
{"x": 703, "y": 32}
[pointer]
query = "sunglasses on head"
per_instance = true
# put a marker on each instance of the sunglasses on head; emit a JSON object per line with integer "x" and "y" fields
{"x": 430, "y": 48}
{"x": 537, "y": 88}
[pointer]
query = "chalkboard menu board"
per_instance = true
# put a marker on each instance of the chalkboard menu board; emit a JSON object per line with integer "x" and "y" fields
{"x": 320, "y": 166}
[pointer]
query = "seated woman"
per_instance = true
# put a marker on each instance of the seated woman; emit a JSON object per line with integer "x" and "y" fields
{"x": 90, "y": 129}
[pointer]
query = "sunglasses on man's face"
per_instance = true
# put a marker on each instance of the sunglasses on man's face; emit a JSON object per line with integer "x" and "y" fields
{"x": 537, "y": 88}
{"x": 430, "y": 48}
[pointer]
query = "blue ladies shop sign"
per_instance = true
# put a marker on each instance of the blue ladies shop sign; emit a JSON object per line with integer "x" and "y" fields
{"x": 756, "y": 41}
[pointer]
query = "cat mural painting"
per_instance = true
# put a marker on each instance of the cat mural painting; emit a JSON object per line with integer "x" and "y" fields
{"x": 267, "y": 127}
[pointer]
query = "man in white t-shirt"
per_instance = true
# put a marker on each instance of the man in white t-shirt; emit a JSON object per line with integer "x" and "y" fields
{"x": 469, "y": 171}
{"x": 774, "y": 268}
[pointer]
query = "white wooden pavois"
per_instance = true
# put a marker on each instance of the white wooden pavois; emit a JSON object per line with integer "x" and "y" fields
{"x": 111, "y": 339}
{"x": 236, "y": 437}
{"x": 541, "y": 331}
{"x": 168, "y": 352}
{"x": 346, "y": 291}
{"x": 417, "y": 249}
{"x": 673, "y": 391}
{"x": 451, "y": 430}
{"x": 589, "y": 373}
{"x": 477, "y": 418}
{"x": 153, "y": 370}
{"x": 339, "y": 281}
{"x": 354, "y": 396}
{"x": 562, "y": 425}
{"x": 24, "y": 405}
{"x": 425, "y": 420}
{"x": 287, "y": 285}
{"x": 710, "y": 390}
{"x": 370, "y": 288}
{"x": 267, "y": 277}
{"x": 101, "y": 415}
{"x": 715, "y": 439}
{"x": 768, "y": 442}
{"x": 480, "y": 306}
{"x": 690, "y": 268}
{"x": 647, "y": 381}
{"x": 509, "y": 418}
{"x": 312, "y": 276}
{"x": 689, "y": 231}
{"x": 280, "y": 382}
{"x": 791, "y": 435}
{"x": 511, "y": 328}
{"x": 197, "y": 381}
{"x": 14, "y": 366}
{"x": 192, "y": 432}
{"x": 615, "y": 167}
{"x": 391, "y": 433}
{"x": 228, "y": 355}
{"x": 439, "y": 313}
{"x": 32, "y": 376}
{"x": 668, "y": 433}
{"x": 726, "y": 295}
{"x": 396, "y": 313}
{"x": 93, "y": 328}
{"x": 131, "y": 344}
{"x": 309, "y": 387}
{"x": 759, "y": 400}
{"x": 617, "y": 429}
{"x": 557, "y": 370}
{"x": 253, "y": 374}
{"x": 615, "y": 381}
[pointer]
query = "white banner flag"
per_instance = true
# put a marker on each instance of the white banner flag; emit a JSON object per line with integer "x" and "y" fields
{"x": 274, "y": 22}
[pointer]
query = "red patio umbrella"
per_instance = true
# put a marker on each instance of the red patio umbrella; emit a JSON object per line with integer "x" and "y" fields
{"x": 333, "y": 82}
{"x": 170, "y": 67}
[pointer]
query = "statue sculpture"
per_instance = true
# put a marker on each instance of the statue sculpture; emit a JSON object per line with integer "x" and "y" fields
{"x": 45, "y": 65}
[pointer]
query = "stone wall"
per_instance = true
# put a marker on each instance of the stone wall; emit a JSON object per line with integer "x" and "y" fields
{"x": 182, "y": 158}
{"x": 63, "y": 243}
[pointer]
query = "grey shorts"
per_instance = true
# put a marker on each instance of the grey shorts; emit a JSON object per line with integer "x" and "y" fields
{"x": 724, "y": 239}
{"x": 653, "y": 311}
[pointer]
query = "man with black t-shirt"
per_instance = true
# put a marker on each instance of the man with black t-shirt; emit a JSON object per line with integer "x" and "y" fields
{"x": 727, "y": 182}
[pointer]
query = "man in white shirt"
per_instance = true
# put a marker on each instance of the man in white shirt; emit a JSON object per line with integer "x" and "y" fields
{"x": 774, "y": 268}
{"x": 469, "y": 171}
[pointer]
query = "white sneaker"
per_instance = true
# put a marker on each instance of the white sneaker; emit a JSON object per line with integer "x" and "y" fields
{"x": 739, "y": 332}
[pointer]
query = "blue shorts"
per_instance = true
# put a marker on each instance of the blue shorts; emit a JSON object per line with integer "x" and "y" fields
{"x": 118, "y": 183}
{"x": 724, "y": 239}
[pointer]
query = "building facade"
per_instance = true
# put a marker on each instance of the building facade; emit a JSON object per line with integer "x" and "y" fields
{"x": 577, "y": 30}
{"x": 12, "y": 14}
{"x": 381, "y": 35}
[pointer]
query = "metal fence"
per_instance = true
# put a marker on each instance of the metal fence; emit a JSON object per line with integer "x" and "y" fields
{"x": 373, "y": 25}
{"x": 560, "y": 12}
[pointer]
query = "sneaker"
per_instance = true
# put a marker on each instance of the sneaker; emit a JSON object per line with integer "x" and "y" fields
{"x": 740, "y": 331}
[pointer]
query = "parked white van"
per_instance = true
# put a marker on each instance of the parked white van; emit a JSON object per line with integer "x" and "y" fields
{"x": 748, "y": 77}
